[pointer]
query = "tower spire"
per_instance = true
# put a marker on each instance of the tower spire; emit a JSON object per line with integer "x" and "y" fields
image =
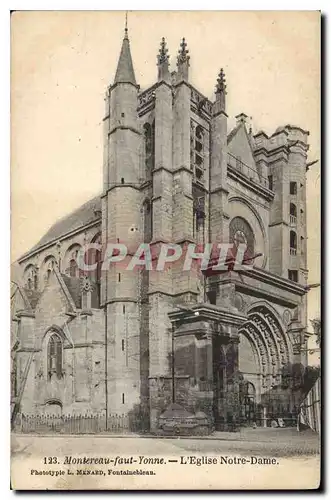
{"x": 221, "y": 85}
{"x": 163, "y": 61}
{"x": 183, "y": 60}
{"x": 220, "y": 91}
{"x": 163, "y": 56}
{"x": 125, "y": 71}
{"x": 183, "y": 56}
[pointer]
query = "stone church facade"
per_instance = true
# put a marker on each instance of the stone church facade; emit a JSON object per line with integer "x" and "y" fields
{"x": 131, "y": 341}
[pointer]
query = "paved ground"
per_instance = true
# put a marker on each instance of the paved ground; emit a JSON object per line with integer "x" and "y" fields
{"x": 295, "y": 457}
{"x": 271, "y": 442}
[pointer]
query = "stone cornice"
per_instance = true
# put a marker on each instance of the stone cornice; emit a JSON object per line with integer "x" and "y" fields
{"x": 84, "y": 344}
{"x": 25, "y": 314}
{"x": 118, "y": 299}
{"x": 173, "y": 171}
{"x": 220, "y": 189}
{"x": 112, "y": 87}
{"x": 218, "y": 113}
{"x": 274, "y": 280}
{"x": 207, "y": 312}
{"x": 279, "y": 223}
{"x": 253, "y": 186}
{"x": 131, "y": 185}
{"x": 162, "y": 82}
{"x": 124, "y": 127}
{"x": 63, "y": 237}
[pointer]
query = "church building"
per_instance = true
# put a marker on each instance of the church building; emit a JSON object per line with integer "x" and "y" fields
{"x": 122, "y": 341}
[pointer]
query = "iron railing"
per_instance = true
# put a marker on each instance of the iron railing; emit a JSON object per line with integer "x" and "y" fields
{"x": 76, "y": 424}
{"x": 237, "y": 164}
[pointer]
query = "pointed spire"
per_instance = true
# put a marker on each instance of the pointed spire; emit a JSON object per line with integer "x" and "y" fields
{"x": 125, "y": 71}
{"x": 221, "y": 85}
{"x": 220, "y": 92}
{"x": 163, "y": 62}
{"x": 183, "y": 61}
{"x": 163, "y": 56}
{"x": 183, "y": 56}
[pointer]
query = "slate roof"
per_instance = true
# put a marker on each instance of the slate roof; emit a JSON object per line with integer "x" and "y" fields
{"x": 233, "y": 133}
{"x": 125, "y": 71}
{"x": 78, "y": 218}
{"x": 33, "y": 296}
{"x": 74, "y": 288}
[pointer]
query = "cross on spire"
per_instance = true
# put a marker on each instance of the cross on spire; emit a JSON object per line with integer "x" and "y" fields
{"x": 126, "y": 31}
{"x": 125, "y": 71}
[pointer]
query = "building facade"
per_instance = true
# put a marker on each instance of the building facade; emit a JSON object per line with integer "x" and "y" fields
{"x": 134, "y": 341}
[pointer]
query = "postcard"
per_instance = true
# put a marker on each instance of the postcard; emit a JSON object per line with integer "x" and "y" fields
{"x": 165, "y": 249}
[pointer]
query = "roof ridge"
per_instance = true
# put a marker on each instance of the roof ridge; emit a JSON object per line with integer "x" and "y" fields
{"x": 56, "y": 230}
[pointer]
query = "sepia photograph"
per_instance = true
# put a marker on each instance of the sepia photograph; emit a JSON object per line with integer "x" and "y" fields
{"x": 165, "y": 250}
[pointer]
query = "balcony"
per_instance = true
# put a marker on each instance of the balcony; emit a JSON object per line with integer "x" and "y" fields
{"x": 293, "y": 220}
{"x": 293, "y": 251}
{"x": 238, "y": 165}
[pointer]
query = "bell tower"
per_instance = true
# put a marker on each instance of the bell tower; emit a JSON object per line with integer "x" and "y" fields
{"x": 121, "y": 223}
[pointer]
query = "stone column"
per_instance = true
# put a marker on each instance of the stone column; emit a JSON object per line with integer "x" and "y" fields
{"x": 232, "y": 387}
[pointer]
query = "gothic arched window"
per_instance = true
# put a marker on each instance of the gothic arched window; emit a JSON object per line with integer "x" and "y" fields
{"x": 35, "y": 280}
{"x": 293, "y": 243}
{"x": 47, "y": 267}
{"x": 31, "y": 277}
{"x": 54, "y": 355}
{"x": 293, "y": 209}
{"x": 197, "y": 152}
{"x": 95, "y": 257}
{"x": 293, "y": 213}
{"x": 149, "y": 147}
{"x": 73, "y": 268}
{"x": 148, "y": 224}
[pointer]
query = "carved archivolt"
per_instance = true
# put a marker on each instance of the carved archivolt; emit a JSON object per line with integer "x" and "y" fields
{"x": 269, "y": 342}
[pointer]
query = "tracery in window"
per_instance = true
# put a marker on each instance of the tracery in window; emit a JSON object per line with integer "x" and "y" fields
{"x": 197, "y": 152}
{"x": 240, "y": 232}
{"x": 149, "y": 133}
{"x": 54, "y": 355}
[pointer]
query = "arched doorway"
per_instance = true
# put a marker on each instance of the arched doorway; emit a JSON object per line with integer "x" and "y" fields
{"x": 53, "y": 407}
{"x": 263, "y": 350}
{"x": 247, "y": 399}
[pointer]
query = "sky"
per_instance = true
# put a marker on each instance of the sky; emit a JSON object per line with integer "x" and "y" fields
{"x": 62, "y": 62}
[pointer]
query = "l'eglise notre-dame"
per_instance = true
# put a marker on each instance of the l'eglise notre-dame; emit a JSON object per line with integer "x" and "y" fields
{"x": 120, "y": 342}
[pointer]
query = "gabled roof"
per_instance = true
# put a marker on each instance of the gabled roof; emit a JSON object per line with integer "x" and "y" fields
{"x": 17, "y": 288}
{"x": 240, "y": 146}
{"x": 33, "y": 296}
{"x": 74, "y": 288}
{"x": 89, "y": 212}
{"x": 232, "y": 133}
